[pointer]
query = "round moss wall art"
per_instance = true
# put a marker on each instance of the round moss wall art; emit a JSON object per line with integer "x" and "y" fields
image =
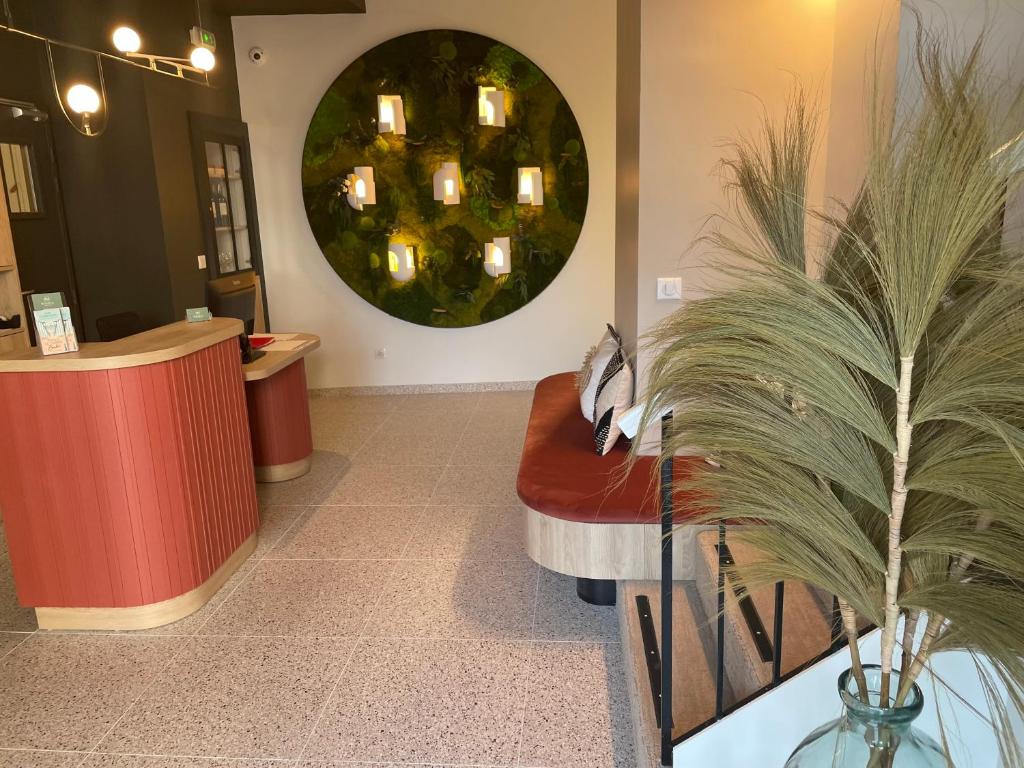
{"x": 445, "y": 178}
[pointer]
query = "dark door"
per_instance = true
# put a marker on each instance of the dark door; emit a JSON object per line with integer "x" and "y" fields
{"x": 29, "y": 175}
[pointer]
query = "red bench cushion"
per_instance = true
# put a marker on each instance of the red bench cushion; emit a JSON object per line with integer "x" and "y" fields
{"x": 561, "y": 475}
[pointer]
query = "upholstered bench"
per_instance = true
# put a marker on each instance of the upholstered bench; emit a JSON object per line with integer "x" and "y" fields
{"x": 589, "y": 516}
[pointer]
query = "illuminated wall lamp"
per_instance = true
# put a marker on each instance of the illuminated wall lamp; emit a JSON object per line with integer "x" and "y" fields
{"x": 83, "y": 100}
{"x": 446, "y": 184}
{"x": 361, "y": 188}
{"x": 491, "y": 103}
{"x": 401, "y": 261}
{"x": 498, "y": 256}
{"x": 390, "y": 115}
{"x": 531, "y": 186}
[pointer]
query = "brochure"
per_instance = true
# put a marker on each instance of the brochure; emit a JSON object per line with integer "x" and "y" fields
{"x": 54, "y": 329}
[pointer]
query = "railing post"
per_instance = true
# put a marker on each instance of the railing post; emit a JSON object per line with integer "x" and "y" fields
{"x": 780, "y": 596}
{"x": 720, "y": 660}
{"x": 667, "y": 479}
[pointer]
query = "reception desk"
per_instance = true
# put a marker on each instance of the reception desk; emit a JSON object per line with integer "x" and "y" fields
{"x": 126, "y": 476}
{"x": 278, "y": 401}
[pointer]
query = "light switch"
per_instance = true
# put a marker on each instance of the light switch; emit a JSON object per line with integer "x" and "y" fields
{"x": 670, "y": 288}
{"x": 202, "y": 261}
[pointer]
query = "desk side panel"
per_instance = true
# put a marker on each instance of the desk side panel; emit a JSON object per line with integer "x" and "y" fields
{"x": 125, "y": 487}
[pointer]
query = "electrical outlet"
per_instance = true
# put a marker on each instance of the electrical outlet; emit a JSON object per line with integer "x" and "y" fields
{"x": 202, "y": 260}
{"x": 670, "y": 288}
{"x": 381, "y": 353}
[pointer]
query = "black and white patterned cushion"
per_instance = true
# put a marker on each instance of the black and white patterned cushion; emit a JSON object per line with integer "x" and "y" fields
{"x": 613, "y": 398}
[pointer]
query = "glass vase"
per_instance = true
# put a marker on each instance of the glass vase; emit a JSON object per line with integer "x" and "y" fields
{"x": 870, "y": 736}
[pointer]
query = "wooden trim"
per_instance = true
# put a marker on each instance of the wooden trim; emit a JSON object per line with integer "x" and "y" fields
{"x": 280, "y": 472}
{"x": 606, "y": 550}
{"x": 169, "y": 342}
{"x": 272, "y": 362}
{"x": 147, "y": 616}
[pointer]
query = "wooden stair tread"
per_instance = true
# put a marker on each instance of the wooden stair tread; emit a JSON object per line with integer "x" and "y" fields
{"x": 806, "y": 630}
{"x": 693, "y": 681}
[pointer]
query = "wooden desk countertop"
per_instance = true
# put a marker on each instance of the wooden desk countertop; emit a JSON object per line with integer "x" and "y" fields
{"x": 159, "y": 345}
{"x": 274, "y": 361}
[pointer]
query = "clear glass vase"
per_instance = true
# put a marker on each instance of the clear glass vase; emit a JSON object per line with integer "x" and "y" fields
{"x": 869, "y": 736}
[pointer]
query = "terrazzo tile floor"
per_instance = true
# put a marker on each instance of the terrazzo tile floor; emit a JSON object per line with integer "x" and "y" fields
{"x": 389, "y": 617}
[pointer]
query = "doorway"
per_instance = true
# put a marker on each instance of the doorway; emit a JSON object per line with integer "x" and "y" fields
{"x": 28, "y": 174}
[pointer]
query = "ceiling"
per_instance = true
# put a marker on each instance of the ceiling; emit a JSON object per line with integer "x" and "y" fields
{"x": 282, "y": 7}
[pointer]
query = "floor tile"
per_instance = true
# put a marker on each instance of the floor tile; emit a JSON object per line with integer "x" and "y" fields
{"x": 26, "y": 759}
{"x": 507, "y": 400}
{"x": 324, "y": 403}
{"x": 561, "y": 615}
{"x": 499, "y": 446}
{"x": 139, "y": 761}
{"x": 326, "y": 598}
{"x": 13, "y": 617}
{"x": 313, "y": 488}
{"x": 275, "y": 521}
{"x": 192, "y": 623}
{"x": 11, "y": 640}
{"x": 403, "y": 424}
{"x": 65, "y": 691}
{"x": 367, "y": 484}
{"x": 421, "y": 448}
{"x": 470, "y": 532}
{"x": 577, "y": 711}
{"x": 343, "y": 431}
{"x": 326, "y": 533}
{"x": 477, "y": 485}
{"x": 462, "y": 599}
{"x": 435, "y": 702}
{"x": 437, "y": 402}
{"x": 234, "y": 697}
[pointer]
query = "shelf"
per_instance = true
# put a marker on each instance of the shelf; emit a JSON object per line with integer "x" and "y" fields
{"x": 11, "y": 331}
{"x": 236, "y": 228}
{"x": 219, "y": 174}
{"x": 7, "y": 267}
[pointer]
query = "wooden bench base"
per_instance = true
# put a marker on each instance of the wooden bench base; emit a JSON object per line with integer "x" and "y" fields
{"x": 607, "y": 550}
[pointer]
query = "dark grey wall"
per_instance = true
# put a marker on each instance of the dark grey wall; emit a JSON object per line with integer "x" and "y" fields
{"x": 129, "y": 195}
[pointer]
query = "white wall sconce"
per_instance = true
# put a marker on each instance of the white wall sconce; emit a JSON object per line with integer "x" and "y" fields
{"x": 498, "y": 256}
{"x": 491, "y": 106}
{"x": 446, "y": 184}
{"x": 361, "y": 188}
{"x": 531, "y": 186}
{"x": 401, "y": 261}
{"x": 390, "y": 115}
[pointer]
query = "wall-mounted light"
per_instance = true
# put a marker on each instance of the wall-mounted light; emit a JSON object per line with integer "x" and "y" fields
{"x": 446, "y": 183}
{"x": 531, "y": 186}
{"x": 361, "y": 188}
{"x": 498, "y": 256}
{"x": 202, "y": 58}
{"x": 127, "y": 40}
{"x": 401, "y": 261}
{"x": 390, "y": 115}
{"x": 491, "y": 106}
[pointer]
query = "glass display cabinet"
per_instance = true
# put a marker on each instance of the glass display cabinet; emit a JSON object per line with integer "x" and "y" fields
{"x": 227, "y": 201}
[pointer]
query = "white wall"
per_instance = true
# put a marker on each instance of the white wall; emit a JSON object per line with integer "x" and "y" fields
{"x": 707, "y": 67}
{"x": 573, "y": 41}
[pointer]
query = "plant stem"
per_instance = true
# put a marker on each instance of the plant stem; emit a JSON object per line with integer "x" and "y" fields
{"x": 909, "y": 630}
{"x": 850, "y": 627}
{"x": 931, "y": 631}
{"x": 898, "y": 503}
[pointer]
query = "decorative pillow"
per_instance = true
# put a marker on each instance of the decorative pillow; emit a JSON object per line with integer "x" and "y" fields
{"x": 594, "y": 364}
{"x": 614, "y": 398}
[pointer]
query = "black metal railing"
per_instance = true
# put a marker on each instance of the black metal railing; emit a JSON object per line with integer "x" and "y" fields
{"x": 660, "y": 665}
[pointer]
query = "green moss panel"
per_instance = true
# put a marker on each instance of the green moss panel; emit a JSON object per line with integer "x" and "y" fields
{"x": 437, "y": 74}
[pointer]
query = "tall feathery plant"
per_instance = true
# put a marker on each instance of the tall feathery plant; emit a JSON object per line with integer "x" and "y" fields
{"x": 869, "y": 421}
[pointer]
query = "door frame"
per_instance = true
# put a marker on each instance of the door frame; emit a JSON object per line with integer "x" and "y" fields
{"x": 203, "y": 128}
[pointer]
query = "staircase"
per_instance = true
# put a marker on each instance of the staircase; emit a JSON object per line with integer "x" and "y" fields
{"x": 748, "y": 641}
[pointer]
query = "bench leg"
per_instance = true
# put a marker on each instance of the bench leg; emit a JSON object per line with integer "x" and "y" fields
{"x": 596, "y": 591}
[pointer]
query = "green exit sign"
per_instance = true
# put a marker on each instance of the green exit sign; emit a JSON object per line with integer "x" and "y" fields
{"x": 202, "y": 37}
